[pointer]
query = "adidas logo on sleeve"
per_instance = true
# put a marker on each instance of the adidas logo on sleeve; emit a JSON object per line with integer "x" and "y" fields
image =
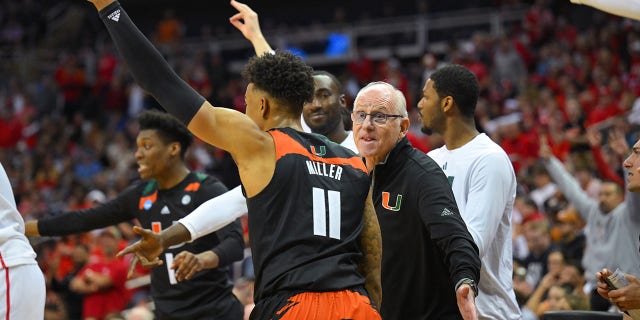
{"x": 115, "y": 16}
{"x": 446, "y": 212}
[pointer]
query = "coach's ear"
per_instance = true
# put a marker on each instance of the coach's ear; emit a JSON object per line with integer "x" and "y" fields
{"x": 404, "y": 126}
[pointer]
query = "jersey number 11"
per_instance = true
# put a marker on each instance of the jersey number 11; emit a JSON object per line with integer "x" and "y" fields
{"x": 326, "y": 212}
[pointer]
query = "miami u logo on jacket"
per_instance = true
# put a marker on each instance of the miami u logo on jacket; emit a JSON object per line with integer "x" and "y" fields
{"x": 385, "y": 201}
{"x": 323, "y": 151}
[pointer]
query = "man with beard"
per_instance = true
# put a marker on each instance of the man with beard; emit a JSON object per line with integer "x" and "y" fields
{"x": 482, "y": 180}
{"x": 626, "y": 298}
{"x": 612, "y": 221}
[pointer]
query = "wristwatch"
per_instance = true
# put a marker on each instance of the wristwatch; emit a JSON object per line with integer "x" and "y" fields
{"x": 470, "y": 282}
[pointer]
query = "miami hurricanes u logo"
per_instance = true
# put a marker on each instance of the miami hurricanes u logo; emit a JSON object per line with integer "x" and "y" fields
{"x": 323, "y": 151}
{"x": 385, "y": 201}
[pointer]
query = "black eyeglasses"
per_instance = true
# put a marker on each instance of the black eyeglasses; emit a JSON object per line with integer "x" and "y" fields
{"x": 377, "y": 117}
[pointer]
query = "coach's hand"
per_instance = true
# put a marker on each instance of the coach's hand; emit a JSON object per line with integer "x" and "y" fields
{"x": 146, "y": 250}
{"x": 466, "y": 302}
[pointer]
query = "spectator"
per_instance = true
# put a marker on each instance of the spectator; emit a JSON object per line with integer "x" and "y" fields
{"x": 568, "y": 230}
{"x": 508, "y": 68}
{"x": 169, "y": 29}
{"x": 73, "y": 300}
{"x": 548, "y": 287}
{"x": 139, "y": 313}
{"x": 544, "y": 188}
{"x": 539, "y": 240}
{"x": 612, "y": 224}
{"x": 71, "y": 80}
{"x": 573, "y": 274}
{"x": 625, "y": 298}
{"x": 102, "y": 281}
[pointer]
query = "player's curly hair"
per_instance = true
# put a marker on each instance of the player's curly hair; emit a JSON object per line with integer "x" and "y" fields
{"x": 284, "y": 76}
{"x": 461, "y": 84}
{"x": 169, "y": 129}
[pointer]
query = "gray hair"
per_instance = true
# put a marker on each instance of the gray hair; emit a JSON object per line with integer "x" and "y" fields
{"x": 397, "y": 100}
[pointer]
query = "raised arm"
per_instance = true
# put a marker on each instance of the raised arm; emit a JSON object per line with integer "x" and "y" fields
{"x": 246, "y": 20}
{"x": 371, "y": 244}
{"x": 224, "y": 128}
{"x": 595, "y": 141}
{"x": 566, "y": 183}
{"x": 624, "y": 8}
{"x": 118, "y": 210}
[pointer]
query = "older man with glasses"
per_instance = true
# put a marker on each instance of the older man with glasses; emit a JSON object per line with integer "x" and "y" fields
{"x": 430, "y": 263}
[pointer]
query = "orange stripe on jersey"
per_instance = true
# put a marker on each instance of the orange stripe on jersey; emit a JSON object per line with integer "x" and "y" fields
{"x": 193, "y": 186}
{"x": 151, "y": 198}
{"x": 287, "y": 145}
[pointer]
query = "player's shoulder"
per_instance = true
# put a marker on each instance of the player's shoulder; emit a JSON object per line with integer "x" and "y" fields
{"x": 435, "y": 153}
{"x": 142, "y": 187}
{"x": 421, "y": 163}
{"x": 484, "y": 148}
{"x": 309, "y": 142}
{"x": 200, "y": 179}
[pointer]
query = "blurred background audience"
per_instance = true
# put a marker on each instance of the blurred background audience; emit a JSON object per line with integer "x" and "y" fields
{"x": 549, "y": 71}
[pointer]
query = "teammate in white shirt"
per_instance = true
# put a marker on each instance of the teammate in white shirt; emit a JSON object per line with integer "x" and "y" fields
{"x": 22, "y": 288}
{"x": 482, "y": 179}
{"x": 625, "y": 8}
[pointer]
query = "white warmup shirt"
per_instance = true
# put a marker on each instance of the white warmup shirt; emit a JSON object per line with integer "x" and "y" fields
{"x": 484, "y": 185}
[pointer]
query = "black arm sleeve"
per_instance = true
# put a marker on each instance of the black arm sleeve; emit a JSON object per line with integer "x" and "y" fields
{"x": 112, "y": 212}
{"x": 449, "y": 231}
{"x": 231, "y": 247}
{"x": 148, "y": 66}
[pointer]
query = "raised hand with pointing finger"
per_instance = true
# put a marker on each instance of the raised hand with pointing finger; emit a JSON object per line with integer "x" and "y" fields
{"x": 146, "y": 250}
{"x": 246, "y": 20}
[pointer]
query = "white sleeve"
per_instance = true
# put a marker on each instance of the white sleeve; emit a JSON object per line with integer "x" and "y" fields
{"x": 491, "y": 188}
{"x": 625, "y": 8}
{"x": 215, "y": 214}
{"x": 5, "y": 187}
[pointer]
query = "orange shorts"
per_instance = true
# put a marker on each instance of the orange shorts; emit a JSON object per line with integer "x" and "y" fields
{"x": 335, "y": 305}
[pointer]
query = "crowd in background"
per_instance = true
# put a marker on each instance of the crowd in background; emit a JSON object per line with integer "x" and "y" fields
{"x": 67, "y": 131}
